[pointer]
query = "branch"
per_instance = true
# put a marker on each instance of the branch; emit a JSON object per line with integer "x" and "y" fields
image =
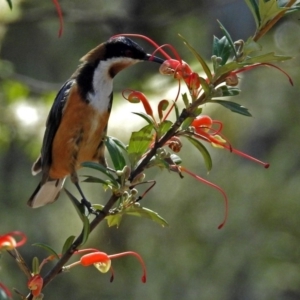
{"x": 65, "y": 258}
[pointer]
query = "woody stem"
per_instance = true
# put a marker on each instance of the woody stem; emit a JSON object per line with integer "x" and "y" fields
{"x": 65, "y": 258}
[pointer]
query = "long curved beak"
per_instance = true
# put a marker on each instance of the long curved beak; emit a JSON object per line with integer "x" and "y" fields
{"x": 156, "y": 59}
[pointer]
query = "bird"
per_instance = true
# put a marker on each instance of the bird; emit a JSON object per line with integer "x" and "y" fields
{"x": 77, "y": 122}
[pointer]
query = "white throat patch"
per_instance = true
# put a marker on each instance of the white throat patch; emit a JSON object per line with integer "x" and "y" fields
{"x": 103, "y": 83}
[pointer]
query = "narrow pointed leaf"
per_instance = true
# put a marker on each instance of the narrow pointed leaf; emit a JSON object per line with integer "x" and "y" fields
{"x": 100, "y": 168}
{"x": 93, "y": 179}
{"x": 79, "y": 207}
{"x": 185, "y": 100}
{"x": 234, "y": 107}
{"x": 85, "y": 230}
{"x": 229, "y": 92}
{"x": 199, "y": 58}
{"x": 205, "y": 86}
{"x": 69, "y": 241}
{"x": 35, "y": 265}
{"x": 9, "y": 4}
{"x": 47, "y": 248}
{"x": 115, "y": 153}
{"x": 205, "y": 154}
{"x": 230, "y": 41}
{"x": 145, "y": 117}
{"x": 254, "y": 10}
{"x": 118, "y": 143}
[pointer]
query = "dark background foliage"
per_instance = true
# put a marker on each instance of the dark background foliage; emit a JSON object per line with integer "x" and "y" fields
{"x": 256, "y": 255}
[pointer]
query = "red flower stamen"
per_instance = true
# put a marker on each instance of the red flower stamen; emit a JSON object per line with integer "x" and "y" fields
{"x": 247, "y": 68}
{"x": 182, "y": 169}
{"x": 60, "y": 16}
{"x": 203, "y": 124}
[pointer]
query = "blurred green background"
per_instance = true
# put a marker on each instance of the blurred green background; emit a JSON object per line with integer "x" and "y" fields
{"x": 256, "y": 255}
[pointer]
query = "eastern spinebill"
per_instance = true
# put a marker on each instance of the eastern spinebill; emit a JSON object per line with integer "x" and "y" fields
{"x": 77, "y": 122}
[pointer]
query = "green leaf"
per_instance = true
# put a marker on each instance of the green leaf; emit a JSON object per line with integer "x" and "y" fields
{"x": 163, "y": 128}
{"x": 115, "y": 153}
{"x": 230, "y": 41}
{"x": 9, "y": 4}
{"x": 176, "y": 110}
{"x": 139, "y": 143}
{"x": 205, "y": 86}
{"x": 145, "y": 117}
{"x": 187, "y": 122}
{"x": 79, "y": 207}
{"x": 118, "y": 142}
{"x": 69, "y": 241}
{"x": 185, "y": 100}
{"x": 264, "y": 58}
{"x": 255, "y": 11}
{"x": 85, "y": 230}
{"x": 139, "y": 211}
{"x": 203, "y": 151}
{"x": 35, "y": 265}
{"x": 229, "y": 91}
{"x": 251, "y": 46}
{"x": 221, "y": 48}
{"x": 114, "y": 220}
{"x": 199, "y": 58}
{"x": 234, "y": 107}
{"x": 47, "y": 248}
{"x": 268, "y": 10}
{"x": 100, "y": 168}
{"x": 93, "y": 179}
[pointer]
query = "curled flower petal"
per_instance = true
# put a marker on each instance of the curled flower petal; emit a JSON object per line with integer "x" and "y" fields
{"x": 8, "y": 242}
{"x": 162, "y": 106}
{"x": 135, "y": 97}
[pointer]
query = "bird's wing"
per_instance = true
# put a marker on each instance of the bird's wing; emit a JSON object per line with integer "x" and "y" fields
{"x": 52, "y": 124}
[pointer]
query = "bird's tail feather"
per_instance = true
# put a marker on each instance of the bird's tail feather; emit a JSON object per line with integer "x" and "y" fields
{"x": 46, "y": 193}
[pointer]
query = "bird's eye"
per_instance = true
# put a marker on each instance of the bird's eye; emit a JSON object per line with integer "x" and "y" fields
{"x": 128, "y": 53}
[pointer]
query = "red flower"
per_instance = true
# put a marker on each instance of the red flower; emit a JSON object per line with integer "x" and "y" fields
{"x": 102, "y": 261}
{"x": 35, "y": 284}
{"x": 203, "y": 130}
{"x": 8, "y": 242}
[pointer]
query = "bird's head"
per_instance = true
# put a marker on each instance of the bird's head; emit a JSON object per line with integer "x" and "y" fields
{"x": 119, "y": 52}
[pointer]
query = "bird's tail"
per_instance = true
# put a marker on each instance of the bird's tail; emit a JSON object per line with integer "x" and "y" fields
{"x": 46, "y": 193}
